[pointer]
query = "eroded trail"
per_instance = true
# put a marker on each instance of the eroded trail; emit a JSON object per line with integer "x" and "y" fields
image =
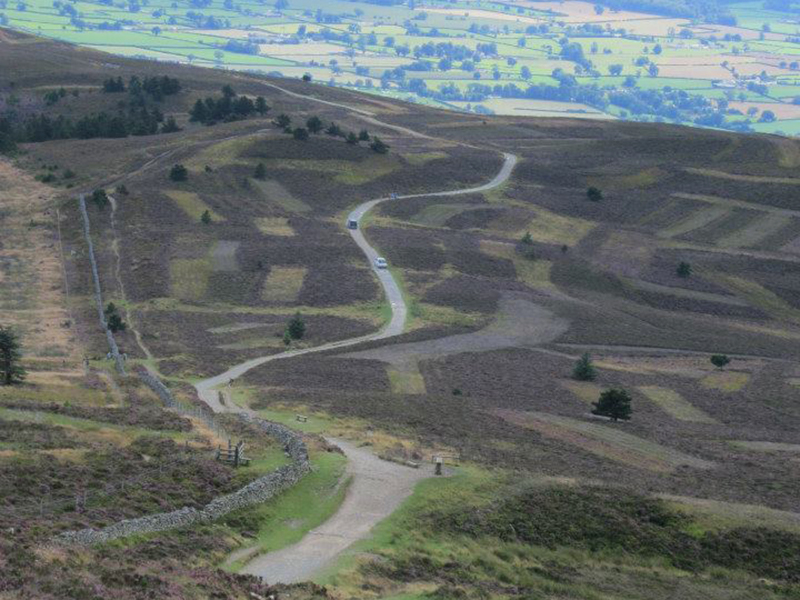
{"x": 377, "y": 486}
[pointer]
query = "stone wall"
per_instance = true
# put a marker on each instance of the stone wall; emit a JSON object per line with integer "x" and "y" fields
{"x": 98, "y": 295}
{"x": 255, "y": 492}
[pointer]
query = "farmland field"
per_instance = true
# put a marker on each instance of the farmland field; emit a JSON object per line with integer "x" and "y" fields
{"x": 547, "y": 59}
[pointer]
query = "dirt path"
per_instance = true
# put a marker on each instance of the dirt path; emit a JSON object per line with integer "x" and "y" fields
{"x": 377, "y": 489}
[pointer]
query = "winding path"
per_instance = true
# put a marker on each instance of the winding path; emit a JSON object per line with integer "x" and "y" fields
{"x": 377, "y": 486}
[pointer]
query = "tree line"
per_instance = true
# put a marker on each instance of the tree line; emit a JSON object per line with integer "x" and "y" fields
{"x": 227, "y": 107}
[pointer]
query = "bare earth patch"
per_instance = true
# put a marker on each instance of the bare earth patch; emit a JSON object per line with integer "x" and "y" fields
{"x": 519, "y": 324}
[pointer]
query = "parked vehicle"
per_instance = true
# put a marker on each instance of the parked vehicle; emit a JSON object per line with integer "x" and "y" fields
{"x": 352, "y": 224}
{"x": 381, "y": 263}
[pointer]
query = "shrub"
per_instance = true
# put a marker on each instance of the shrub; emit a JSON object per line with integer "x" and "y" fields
{"x": 363, "y": 135}
{"x": 205, "y": 218}
{"x": 584, "y": 369}
{"x": 615, "y": 404}
{"x": 594, "y": 194}
{"x": 720, "y": 360}
{"x": 178, "y": 173}
{"x": 283, "y": 121}
{"x": 300, "y": 133}
{"x": 261, "y": 171}
{"x": 352, "y": 138}
{"x": 99, "y": 198}
{"x": 379, "y": 146}
{"x": 683, "y": 270}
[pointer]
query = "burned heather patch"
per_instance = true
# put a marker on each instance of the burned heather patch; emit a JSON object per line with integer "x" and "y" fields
{"x": 409, "y": 248}
{"x": 462, "y": 292}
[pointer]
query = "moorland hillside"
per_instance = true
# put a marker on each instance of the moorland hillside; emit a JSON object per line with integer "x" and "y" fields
{"x": 651, "y": 247}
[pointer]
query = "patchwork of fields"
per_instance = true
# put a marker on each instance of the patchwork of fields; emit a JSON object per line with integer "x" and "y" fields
{"x": 487, "y": 56}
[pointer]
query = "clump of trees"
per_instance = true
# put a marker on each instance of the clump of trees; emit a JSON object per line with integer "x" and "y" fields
{"x": 227, "y": 108}
{"x": 315, "y": 126}
{"x": 11, "y": 371}
{"x": 614, "y": 404}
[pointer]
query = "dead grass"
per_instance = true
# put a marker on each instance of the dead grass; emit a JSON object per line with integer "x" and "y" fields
{"x": 696, "y": 220}
{"x": 189, "y": 278}
{"x": 422, "y": 158}
{"x": 275, "y": 193}
{"x": 714, "y": 515}
{"x": 757, "y": 295}
{"x": 283, "y": 284}
{"x": 535, "y": 273}
{"x": 726, "y": 381}
{"x": 674, "y": 404}
{"x": 749, "y": 178}
{"x": 755, "y": 231}
{"x": 407, "y": 380}
{"x": 278, "y": 226}
{"x": 192, "y": 205}
{"x": 767, "y": 446}
{"x": 643, "y": 178}
{"x": 33, "y": 297}
{"x": 606, "y": 441}
{"x": 585, "y": 391}
{"x": 552, "y": 228}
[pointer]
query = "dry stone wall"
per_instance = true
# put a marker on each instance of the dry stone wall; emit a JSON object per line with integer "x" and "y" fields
{"x": 98, "y": 294}
{"x": 256, "y": 492}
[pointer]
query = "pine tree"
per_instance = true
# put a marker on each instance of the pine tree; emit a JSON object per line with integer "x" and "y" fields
{"x": 684, "y": 270}
{"x": 315, "y": 124}
{"x": 363, "y": 135}
{"x": 615, "y": 404}
{"x": 10, "y": 355}
{"x": 584, "y": 369}
{"x": 261, "y": 171}
{"x": 352, "y": 138}
{"x": 296, "y": 328}
{"x": 262, "y": 107}
{"x": 199, "y": 113}
{"x": 594, "y": 194}
{"x": 205, "y": 218}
